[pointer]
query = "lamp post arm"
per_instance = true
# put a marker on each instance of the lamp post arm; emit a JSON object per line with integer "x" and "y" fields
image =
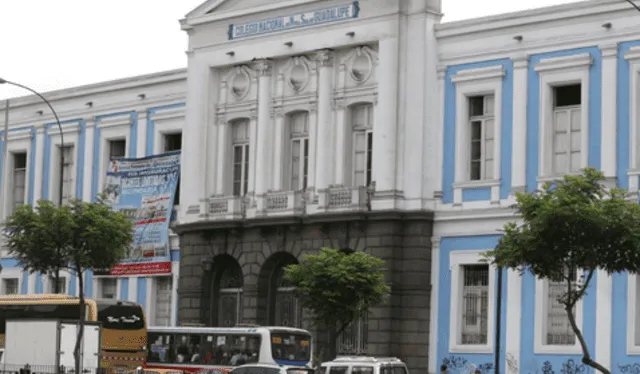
{"x": 61, "y": 184}
{"x": 634, "y": 5}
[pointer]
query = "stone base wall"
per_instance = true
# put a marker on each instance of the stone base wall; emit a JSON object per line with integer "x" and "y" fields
{"x": 399, "y": 328}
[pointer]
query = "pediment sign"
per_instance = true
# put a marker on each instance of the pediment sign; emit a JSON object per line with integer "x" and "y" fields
{"x": 295, "y": 20}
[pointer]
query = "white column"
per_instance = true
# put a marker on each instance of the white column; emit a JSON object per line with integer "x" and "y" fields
{"x": 39, "y": 166}
{"x": 513, "y": 325}
{"x": 431, "y": 109}
{"x": 89, "y": 136}
{"x": 200, "y": 98}
{"x": 313, "y": 153}
{"x": 519, "y": 140}
{"x": 31, "y": 287}
{"x": 324, "y": 129}
{"x": 141, "y": 135}
{"x": 608, "y": 149}
{"x": 384, "y": 129}
{"x": 221, "y": 159}
{"x": 278, "y": 149}
{"x": 253, "y": 143}
{"x": 603, "y": 315}
{"x": 133, "y": 289}
{"x": 341, "y": 142}
{"x": 175, "y": 274}
{"x": 264, "y": 123}
{"x": 433, "y": 319}
{"x": 211, "y": 156}
{"x": 437, "y": 140}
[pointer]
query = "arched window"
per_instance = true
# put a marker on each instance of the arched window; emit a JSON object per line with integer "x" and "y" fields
{"x": 230, "y": 296}
{"x": 287, "y": 311}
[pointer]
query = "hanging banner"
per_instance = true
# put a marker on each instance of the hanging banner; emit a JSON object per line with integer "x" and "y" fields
{"x": 144, "y": 190}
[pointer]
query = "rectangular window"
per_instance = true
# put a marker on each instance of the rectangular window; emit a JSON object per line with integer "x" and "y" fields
{"x": 19, "y": 180}
{"x": 362, "y": 122}
{"x": 10, "y": 286}
{"x": 173, "y": 142}
{"x": 558, "y": 328}
{"x": 62, "y": 285}
{"x": 240, "y": 157}
{"x": 108, "y": 288}
{"x": 117, "y": 148}
{"x": 475, "y": 304}
{"x": 299, "y": 125}
{"x": 481, "y": 119}
{"x": 67, "y": 173}
{"x": 567, "y": 122}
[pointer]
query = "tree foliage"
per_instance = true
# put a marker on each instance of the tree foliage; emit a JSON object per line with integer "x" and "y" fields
{"x": 77, "y": 237}
{"x": 338, "y": 287}
{"x": 572, "y": 225}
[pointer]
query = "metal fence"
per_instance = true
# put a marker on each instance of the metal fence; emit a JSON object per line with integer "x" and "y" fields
{"x": 51, "y": 369}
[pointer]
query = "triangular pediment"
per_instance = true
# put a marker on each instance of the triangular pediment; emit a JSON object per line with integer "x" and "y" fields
{"x": 206, "y": 7}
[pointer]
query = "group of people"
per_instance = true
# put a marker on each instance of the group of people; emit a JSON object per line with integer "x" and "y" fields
{"x": 235, "y": 357}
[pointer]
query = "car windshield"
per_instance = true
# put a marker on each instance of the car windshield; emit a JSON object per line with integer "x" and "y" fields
{"x": 287, "y": 346}
{"x": 255, "y": 370}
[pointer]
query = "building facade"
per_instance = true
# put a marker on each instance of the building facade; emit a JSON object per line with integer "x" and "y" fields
{"x": 133, "y": 117}
{"x": 305, "y": 127}
{"x": 529, "y": 97}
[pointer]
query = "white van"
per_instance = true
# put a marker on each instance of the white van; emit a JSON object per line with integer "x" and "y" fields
{"x": 364, "y": 365}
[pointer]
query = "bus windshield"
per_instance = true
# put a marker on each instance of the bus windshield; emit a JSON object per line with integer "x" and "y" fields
{"x": 290, "y": 347}
{"x": 121, "y": 317}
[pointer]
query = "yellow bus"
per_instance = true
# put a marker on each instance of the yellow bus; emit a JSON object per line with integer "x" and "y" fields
{"x": 124, "y": 328}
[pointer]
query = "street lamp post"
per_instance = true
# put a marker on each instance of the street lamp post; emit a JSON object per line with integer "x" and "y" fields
{"x": 60, "y": 186}
{"x": 634, "y": 5}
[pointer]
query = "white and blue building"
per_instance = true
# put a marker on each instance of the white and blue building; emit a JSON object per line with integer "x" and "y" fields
{"x": 529, "y": 97}
{"x": 132, "y": 117}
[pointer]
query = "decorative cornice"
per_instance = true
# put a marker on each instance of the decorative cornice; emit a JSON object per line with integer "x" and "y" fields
{"x": 580, "y": 60}
{"x": 166, "y": 114}
{"x": 520, "y": 61}
{"x": 21, "y": 134}
{"x": 67, "y": 128}
{"x": 490, "y": 72}
{"x": 117, "y": 121}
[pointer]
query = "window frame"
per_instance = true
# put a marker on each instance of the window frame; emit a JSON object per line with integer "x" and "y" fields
{"x": 458, "y": 259}
{"x": 482, "y": 119}
{"x": 18, "y": 141}
{"x": 72, "y": 167}
{"x": 471, "y": 83}
{"x": 366, "y": 130}
{"x": 305, "y": 143}
{"x": 4, "y": 285}
{"x": 632, "y": 56}
{"x": 246, "y": 156}
{"x": 101, "y": 281}
{"x": 632, "y": 309}
{"x": 12, "y": 178}
{"x": 63, "y": 278}
{"x": 540, "y": 321}
{"x": 554, "y": 72}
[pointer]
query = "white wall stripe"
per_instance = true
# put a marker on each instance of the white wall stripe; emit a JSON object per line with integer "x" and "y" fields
{"x": 433, "y": 325}
{"x": 514, "y": 316}
{"x": 604, "y": 288}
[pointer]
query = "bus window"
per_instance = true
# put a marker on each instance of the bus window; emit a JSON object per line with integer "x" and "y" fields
{"x": 187, "y": 348}
{"x": 121, "y": 317}
{"x": 290, "y": 347}
{"x": 160, "y": 350}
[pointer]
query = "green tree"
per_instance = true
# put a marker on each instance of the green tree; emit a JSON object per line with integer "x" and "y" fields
{"x": 570, "y": 226}
{"x": 78, "y": 237}
{"x": 338, "y": 288}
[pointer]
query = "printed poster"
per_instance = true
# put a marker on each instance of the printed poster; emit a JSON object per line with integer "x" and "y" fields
{"x": 144, "y": 190}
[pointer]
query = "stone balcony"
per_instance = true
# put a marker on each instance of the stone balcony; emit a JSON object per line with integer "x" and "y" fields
{"x": 283, "y": 203}
{"x": 225, "y": 207}
{"x": 342, "y": 199}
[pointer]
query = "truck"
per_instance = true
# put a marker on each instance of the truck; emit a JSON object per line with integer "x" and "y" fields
{"x": 48, "y": 345}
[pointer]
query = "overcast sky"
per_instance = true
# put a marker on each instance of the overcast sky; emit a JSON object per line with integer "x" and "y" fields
{"x": 55, "y": 44}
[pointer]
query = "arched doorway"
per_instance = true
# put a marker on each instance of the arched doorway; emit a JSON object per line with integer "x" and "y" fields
{"x": 227, "y": 287}
{"x": 276, "y": 297}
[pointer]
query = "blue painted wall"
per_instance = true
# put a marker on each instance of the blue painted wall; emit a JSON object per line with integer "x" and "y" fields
{"x": 533, "y": 107}
{"x": 142, "y": 292}
{"x": 448, "y": 167}
{"x": 456, "y": 361}
{"x": 124, "y": 289}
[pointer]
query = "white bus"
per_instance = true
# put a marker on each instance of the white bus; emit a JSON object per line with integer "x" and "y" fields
{"x": 220, "y": 349}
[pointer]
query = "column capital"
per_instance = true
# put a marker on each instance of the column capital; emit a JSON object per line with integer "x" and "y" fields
{"x": 609, "y": 49}
{"x": 324, "y": 57}
{"x": 442, "y": 71}
{"x": 520, "y": 61}
{"x": 253, "y": 114}
{"x": 277, "y": 112}
{"x": 221, "y": 120}
{"x": 264, "y": 67}
{"x": 339, "y": 103}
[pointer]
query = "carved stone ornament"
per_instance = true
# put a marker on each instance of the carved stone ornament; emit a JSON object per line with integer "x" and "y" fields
{"x": 361, "y": 65}
{"x": 298, "y": 74}
{"x": 264, "y": 68}
{"x": 239, "y": 82}
{"x": 324, "y": 57}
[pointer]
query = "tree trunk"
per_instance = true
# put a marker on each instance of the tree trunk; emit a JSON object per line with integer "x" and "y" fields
{"x": 332, "y": 344}
{"x": 586, "y": 355}
{"x": 76, "y": 350}
{"x": 56, "y": 281}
